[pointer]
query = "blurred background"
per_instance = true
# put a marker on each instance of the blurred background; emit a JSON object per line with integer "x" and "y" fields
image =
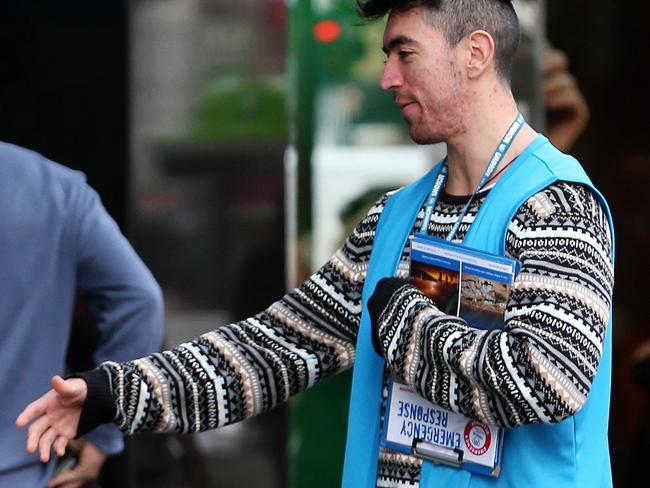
{"x": 236, "y": 143}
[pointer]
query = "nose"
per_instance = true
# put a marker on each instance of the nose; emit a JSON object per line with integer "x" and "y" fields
{"x": 391, "y": 78}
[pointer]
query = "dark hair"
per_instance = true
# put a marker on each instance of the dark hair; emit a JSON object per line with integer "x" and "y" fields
{"x": 458, "y": 18}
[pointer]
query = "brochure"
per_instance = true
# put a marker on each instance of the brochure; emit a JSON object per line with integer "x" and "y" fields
{"x": 475, "y": 286}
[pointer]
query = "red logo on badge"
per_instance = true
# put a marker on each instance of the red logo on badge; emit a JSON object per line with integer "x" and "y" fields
{"x": 477, "y": 437}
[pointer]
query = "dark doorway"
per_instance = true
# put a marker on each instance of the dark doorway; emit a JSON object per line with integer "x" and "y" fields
{"x": 63, "y": 88}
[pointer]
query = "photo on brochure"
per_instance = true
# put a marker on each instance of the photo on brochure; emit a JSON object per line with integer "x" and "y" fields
{"x": 464, "y": 282}
{"x": 439, "y": 284}
{"x": 483, "y": 301}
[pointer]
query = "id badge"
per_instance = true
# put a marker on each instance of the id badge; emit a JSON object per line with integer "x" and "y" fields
{"x": 415, "y": 426}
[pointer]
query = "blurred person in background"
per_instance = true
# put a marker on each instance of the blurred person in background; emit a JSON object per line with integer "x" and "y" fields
{"x": 553, "y": 381}
{"x": 57, "y": 241}
{"x": 567, "y": 112}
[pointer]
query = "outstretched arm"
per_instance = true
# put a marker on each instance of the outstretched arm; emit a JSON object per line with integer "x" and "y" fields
{"x": 241, "y": 369}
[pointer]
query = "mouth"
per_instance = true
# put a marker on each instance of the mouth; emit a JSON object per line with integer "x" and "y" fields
{"x": 406, "y": 108}
{"x": 402, "y": 104}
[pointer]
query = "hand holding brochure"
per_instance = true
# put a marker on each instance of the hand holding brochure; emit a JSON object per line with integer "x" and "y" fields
{"x": 474, "y": 286}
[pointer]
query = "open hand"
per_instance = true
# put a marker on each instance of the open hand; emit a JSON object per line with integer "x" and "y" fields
{"x": 54, "y": 417}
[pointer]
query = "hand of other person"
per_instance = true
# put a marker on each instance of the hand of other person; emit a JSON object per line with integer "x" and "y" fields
{"x": 54, "y": 417}
{"x": 88, "y": 467}
{"x": 567, "y": 112}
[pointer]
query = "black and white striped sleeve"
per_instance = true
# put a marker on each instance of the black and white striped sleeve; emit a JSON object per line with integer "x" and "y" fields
{"x": 244, "y": 368}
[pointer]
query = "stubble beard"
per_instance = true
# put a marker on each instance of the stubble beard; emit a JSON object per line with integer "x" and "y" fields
{"x": 441, "y": 126}
{"x": 422, "y": 135}
{"x": 447, "y": 120}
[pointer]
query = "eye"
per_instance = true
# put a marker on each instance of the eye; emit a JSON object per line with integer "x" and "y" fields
{"x": 403, "y": 55}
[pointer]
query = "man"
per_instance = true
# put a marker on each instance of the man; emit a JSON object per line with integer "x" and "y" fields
{"x": 57, "y": 241}
{"x": 545, "y": 376}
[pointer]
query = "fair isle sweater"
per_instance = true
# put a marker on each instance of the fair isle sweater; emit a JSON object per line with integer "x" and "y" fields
{"x": 562, "y": 295}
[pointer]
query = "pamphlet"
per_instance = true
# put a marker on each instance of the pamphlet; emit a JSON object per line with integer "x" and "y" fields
{"x": 475, "y": 286}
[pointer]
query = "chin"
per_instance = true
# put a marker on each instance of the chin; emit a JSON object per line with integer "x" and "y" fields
{"x": 425, "y": 139}
{"x": 422, "y": 134}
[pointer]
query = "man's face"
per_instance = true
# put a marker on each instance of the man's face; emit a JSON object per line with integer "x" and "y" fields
{"x": 424, "y": 74}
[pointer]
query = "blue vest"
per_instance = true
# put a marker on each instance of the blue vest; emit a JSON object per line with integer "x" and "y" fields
{"x": 573, "y": 453}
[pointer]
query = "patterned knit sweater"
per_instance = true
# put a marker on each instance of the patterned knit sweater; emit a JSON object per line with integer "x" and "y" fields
{"x": 556, "y": 318}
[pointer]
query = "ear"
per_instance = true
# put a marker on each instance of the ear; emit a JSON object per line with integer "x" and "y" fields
{"x": 480, "y": 53}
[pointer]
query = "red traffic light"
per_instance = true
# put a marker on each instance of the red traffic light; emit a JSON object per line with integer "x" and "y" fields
{"x": 327, "y": 31}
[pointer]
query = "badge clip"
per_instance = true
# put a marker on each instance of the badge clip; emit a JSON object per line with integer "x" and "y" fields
{"x": 437, "y": 454}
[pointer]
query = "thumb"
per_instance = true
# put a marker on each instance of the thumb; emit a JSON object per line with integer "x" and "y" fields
{"x": 68, "y": 388}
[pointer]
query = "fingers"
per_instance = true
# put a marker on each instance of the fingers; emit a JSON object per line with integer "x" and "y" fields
{"x": 33, "y": 410}
{"x": 68, "y": 479}
{"x": 35, "y": 432}
{"x": 64, "y": 388}
{"x": 566, "y": 101}
{"x": 554, "y": 61}
{"x": 566, "y": 107}
{"x": 60, "y": 445}
{"x": 90, "y": 462}
{"x": 45, "y": 444}
{"x": 560, "y": 82}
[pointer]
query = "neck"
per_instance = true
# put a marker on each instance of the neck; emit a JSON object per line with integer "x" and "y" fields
{"x": 469, "y": 152}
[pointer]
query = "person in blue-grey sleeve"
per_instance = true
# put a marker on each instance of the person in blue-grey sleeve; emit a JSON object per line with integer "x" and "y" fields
{"x": 57, "y": 241}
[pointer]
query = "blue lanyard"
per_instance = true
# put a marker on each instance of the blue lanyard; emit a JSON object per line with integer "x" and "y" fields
{"x": 500, "y": 151}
